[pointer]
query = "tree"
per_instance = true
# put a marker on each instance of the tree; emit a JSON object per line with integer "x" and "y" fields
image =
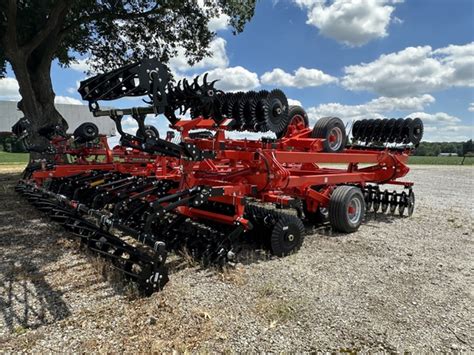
{"x": 421, "y": 150}
{"x": 449, "y": 148}
{"x": 467, "y": 147}
{"x": 467, "y": 150}
{"x": 33, "y": 33}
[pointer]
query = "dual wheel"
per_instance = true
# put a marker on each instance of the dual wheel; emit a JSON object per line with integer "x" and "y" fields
{"x": 345, "y": 211}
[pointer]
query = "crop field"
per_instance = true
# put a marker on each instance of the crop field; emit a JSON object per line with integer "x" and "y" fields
{"x": 397, "y": 284}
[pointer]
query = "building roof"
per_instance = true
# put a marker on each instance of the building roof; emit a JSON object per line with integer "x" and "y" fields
{"x": 73, "y": 114}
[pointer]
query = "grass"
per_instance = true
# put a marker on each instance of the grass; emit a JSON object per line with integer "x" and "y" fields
{"x": 441, "y": 160}
{"x": 13, "y": 158}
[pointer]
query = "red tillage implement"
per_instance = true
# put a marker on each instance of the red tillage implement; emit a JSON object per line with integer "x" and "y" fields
{"x": 205, "y": 192}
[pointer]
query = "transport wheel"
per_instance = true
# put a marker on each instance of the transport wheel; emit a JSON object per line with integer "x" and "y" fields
{"x": 150, "y": 132}
{"x": 298, "y": 118}
{"x": 321, "y": 215}
{"x": 331, "y": 129}
{"x": 86, "y": 132}
{"x": 287, "y": 235}
{"x": 346, "y": 209}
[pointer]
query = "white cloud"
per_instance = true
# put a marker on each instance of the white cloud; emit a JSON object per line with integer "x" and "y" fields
{"x": 435, "y": 118}
{"x": 302, "y": 77}
{"x": 218, "y": 59}
{"x": 353, "y": 23}
{"x": 67, "y": 100}
{"x": 413, "y": 71}
{"x": 219, "y": 23}
{"x": 471, "y": 107}
{"x": 448, "y": 133}
{"x": 375, "y": 108}
{"x": 293, "y": 102}
{"x": 234, "y": 78}
{"x": 9, "y": 89}
{"x": 439, "y": 126}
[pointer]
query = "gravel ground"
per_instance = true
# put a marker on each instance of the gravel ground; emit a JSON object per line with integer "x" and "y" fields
{"x": 398, "y": 284}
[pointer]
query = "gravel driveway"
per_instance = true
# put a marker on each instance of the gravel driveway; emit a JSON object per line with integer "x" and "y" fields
{"x": 398, "y": 284}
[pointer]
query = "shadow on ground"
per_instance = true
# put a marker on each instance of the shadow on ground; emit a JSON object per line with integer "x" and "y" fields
{"x": 27, "y": 299}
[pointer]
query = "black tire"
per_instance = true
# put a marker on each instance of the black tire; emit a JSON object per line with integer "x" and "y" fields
{"x": 86, "y": 132}
{"x": 342, "y": 200}
{"x": 287, "y": 235}
{"x": 292, "y": 112}
{"x": 321, "y": 215}
{"x": 150, "y": 132}
{"x": 325, "y": 128}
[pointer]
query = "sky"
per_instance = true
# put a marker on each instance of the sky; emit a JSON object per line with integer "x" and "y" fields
{"x": 351, "y": 59}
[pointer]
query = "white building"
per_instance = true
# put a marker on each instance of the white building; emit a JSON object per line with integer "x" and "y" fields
{"x": 73, "y": 114}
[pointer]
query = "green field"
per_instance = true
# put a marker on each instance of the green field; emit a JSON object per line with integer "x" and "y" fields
{"x": 13, "y": 158}
{"x": 22, "y": 158}
{"x": 441, "y": 160}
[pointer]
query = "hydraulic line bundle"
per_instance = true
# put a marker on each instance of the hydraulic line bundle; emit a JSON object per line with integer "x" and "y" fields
{"x": 204, "y": 192}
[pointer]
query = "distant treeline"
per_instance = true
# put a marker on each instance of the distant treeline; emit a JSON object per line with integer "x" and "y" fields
{"x": 10, "y": 144}
{"x": 435, "y": 148}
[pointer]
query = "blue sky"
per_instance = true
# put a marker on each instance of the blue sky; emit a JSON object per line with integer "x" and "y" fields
{"x": 352, "y": 59}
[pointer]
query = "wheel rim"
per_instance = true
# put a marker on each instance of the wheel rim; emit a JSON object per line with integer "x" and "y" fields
{"x": 335, "y": 138}
{"x": 354, "y": 210}
{"x": 296, "y": 124}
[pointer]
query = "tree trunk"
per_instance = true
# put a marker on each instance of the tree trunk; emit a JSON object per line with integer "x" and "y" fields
{"x": 36, "y": 89}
